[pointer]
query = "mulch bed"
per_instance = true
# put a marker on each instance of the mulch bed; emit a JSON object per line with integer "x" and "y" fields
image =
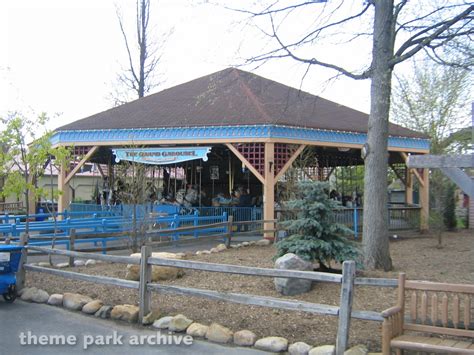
{"x": 416, "y": 255}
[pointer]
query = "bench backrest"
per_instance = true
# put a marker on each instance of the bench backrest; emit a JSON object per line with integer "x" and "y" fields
{"x": 439, "y": 308}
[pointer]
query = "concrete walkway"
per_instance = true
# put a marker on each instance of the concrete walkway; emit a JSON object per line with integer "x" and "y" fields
{"x": 39, "y": 319}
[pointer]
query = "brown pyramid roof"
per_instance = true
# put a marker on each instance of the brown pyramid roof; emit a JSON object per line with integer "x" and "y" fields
{"x": 232, "y": 97}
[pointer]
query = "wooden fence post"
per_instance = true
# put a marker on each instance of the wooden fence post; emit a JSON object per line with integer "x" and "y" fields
{"x": 345, "y": 306}
{"x": 72, "y": 238}
{"x": 230, "y": 222}
{"x": 145, "y": 278}
{"x": 20, "y": 275}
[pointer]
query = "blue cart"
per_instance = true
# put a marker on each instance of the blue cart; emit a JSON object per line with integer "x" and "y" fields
{"x": 10, "y": 256}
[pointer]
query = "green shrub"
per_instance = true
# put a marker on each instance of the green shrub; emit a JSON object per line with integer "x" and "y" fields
{"x": 313, "y": 235}
{"x": 449, "y": 211}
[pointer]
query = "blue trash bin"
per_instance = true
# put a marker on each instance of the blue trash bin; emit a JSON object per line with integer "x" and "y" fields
{"x": 10, "y": 256}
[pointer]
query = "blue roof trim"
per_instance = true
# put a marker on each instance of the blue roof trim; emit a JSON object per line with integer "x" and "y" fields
{"x": 194, "y": 134}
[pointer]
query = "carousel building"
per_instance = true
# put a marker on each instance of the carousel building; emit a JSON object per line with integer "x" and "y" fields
{"x": 230, "y": 129}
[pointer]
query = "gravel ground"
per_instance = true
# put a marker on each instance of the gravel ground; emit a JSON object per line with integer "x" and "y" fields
{"x": 414, "y": 254}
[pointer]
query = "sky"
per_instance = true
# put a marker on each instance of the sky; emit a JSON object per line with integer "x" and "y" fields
{"x": 62, "y": 57}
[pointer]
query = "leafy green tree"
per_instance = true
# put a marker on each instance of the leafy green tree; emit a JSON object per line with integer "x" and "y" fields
{"x": 433, "y": 99}
{"x": 313, "y": 234}
{"x": 26, "y": 148}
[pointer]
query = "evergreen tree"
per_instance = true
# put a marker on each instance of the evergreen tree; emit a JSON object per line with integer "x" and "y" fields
{"x": 313, "y": 234}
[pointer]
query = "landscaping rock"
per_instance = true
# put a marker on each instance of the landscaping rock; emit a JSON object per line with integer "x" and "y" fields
{"x": 235, "y": 246}
{"x": 55, "y": 299}
{"x": 206, "y": 252}
{"x": 291, "y": 287}
{"x": 221, "y": 247}
{"x": 197, "y": 330}
{"x": 181, "y": 255}
{"x": 158, "y": 272}
{"x": 162, "y": 323}
{"x": 245, "y": 244}
{"x": 244, "y": 338}
{"x": 62, "y": 265}
{"x": 92, "y": 307}
{"x": 199, "y": 252}
{"x": 179, "y": 323}
{"x": 273, "y": 344}
{"x": 219, "y": 334}
{"x": 151, "y": 317}
{"x": 299, "y": 348}
{"x": 215, "y": 250}
{"x": 125, "y": 312}
{"x": 357, "y": 350}
{"x": 90, "y": 262}
{"x": 263, "y": 242}
{"x": 104, "y": 312}
{"x": 44, "y": 264}
{"x": 33, "y": 294}
{"x": 75, "y": 301}
{"x": 252, "y": 242}
{"x": 79, "y": 262}
{"x": 323, "y": 350}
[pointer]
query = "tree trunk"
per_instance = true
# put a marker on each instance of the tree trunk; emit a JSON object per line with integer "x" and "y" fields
{"x": 375, "y": 232}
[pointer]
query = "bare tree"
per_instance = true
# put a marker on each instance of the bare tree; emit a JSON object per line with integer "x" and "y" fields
{"x": 143, "y": 54}
{"x": 398, "y": 31}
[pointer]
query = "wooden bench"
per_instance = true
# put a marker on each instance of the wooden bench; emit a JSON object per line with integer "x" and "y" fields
{"x": 434, "y": 309}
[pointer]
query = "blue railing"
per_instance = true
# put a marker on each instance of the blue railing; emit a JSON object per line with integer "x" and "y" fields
{"x": 43, "y": 233}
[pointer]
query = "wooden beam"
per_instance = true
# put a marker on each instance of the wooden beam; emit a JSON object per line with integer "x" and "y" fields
{"x": 441, "y": 161}
{"x": 269, "y": 190}
{"x": 402, "y": 178}
{"x": 100, "y": 170}
{"x": 461, "y": 179}
{"x": 414, "y": 171}
{"x": 425, "y": 200}
{"x": 241, "y": 140}
{"x": 246, "y": 162}
{"x": 290, "y": 162}
{"x": 84, "y": 159}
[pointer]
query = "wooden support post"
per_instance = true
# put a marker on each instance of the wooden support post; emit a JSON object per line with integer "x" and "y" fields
{"x": 409, "y": 188}
{"x": 63, "y": 186}
{"x": 345, "y": 306}
{"x": 425, "y": 200}
{"x": 269, "y": 190}
{"x": 145, "y": 278}
{"x": 72, "y": 239}
{"x": 230, "y": 225}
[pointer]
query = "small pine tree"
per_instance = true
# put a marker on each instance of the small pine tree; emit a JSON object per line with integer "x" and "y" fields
{"x": 449, "y": 211}
{"x": 313, "y": 234}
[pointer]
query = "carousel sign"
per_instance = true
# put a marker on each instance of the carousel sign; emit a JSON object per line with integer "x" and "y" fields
{"x": 161, "y": 156}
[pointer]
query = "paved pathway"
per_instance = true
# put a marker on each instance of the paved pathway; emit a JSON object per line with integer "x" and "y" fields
{"x": 39, "y": 319}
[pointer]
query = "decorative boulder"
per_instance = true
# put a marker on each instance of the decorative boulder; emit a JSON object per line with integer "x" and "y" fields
{"x": 126, "y": 312}
{"x": 299, "y": 348}
{"x": 104, "y": 312}
{"x": 291, "y": 287}
{"x": 92, "y": 307}
{"x": 197, "y": 330}
{"x": 33, "y": 294}
{"x": 75, "y": 301}
{"x": 158, "y": 272}
{"x": 357, "y": 350}
{"x": 244, "y": 338}
{"x": 273, "y": 344}
{"x": 151, "y": 317}
{"x": 55, "y": 299}
{"x": 179, "y": 323}
{"x": 162, "y": 323}
{"x": 219, "y": 334}
{"x": 323, "y": 350}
